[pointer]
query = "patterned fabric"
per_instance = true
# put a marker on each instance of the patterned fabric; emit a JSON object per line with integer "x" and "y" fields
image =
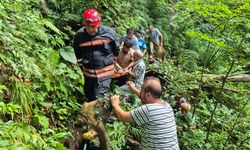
{"x": 139, "y": 69}
{"x": 158, "y": 126}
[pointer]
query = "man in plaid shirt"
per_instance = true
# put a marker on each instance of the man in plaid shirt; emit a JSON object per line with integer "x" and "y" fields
{"x": 137, "y": 73}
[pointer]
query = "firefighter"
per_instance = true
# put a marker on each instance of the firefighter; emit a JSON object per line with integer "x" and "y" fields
{"x": 96, "y": 48}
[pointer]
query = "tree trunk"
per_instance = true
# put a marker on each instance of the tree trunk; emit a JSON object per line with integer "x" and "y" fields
{"x": 207, "y": 87}
{"x": 244, "y": 77}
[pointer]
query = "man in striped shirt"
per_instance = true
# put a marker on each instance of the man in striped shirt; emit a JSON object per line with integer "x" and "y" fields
{"x": 155, "y": 116}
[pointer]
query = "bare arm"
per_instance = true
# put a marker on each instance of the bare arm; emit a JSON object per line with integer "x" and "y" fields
{"x": 132, "y": 74}
{"x": 120, "y": 113}
{"x": 131, "y": 64}
{"x": 133, "y": 88}
{"x": 121, "y": 45}
{"x": 161, "y": 40}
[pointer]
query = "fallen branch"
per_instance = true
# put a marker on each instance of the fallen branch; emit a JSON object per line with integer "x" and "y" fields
{"x": 233, "y": 78}
{"x": 153, "y": 73}
{"x": 87, "y": 115}
{"x": 133, "y": 142}
{"x": 96, "y": 113}
{"x": 212, "y": 87}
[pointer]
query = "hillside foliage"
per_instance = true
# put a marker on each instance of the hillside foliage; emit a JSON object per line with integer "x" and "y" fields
{"x": 41, "y": 86}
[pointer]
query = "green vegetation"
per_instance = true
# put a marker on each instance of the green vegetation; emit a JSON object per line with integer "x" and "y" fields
{"x": 41, "y": 87}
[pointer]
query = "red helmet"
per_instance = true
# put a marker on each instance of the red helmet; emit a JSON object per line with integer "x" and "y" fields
{"x": 91, "y": 17}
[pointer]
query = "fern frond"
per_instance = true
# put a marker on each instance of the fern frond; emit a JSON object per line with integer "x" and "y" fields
{"x": 54, "y": 3}
{"x": 189, "y": 53}
{"x": 36, "y": 70}
{"x": 51, "y": 26}
{"x": 39, "y": 34}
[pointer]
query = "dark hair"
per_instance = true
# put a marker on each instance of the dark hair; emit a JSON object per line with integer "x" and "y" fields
{"x": 130, "y": 30}
{"x": 140, "y": 31}
{"x": 128, "y": 43}
{"x": 156, "y": 92}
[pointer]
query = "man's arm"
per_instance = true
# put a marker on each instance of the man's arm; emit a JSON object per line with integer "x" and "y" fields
{"x": 131, "y": 64}
{"x": 139, "y": 70}
{"x": 161, "y": 40}
{"x": 144, "y": 47}
{"x": 114, "y": 44}
{"x": 77, "y": 50}
{"x": 132, "y": 74}
{"x": 120, "y": 113}
{"x": 121, "y": 41}
{"x": 121, "y": 45}
{"x": 76, "y": 47}
{"x": 161, "y": 37}
{"x": 133, "y": 88}
{"x": 135, "y": 44}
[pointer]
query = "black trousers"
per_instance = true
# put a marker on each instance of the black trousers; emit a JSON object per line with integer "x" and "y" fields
{"x": 94, "y": 87}
{"x": 120, "y": 81}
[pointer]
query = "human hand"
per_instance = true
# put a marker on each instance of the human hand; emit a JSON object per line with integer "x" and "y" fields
{"x": 115, "y": 100}
{"x": 125, "y": 70}
{"x": 151, "y": 58}
{"x": 121, "y": 71}
{"x": 131, "y": 84}
{"x": 79, "y": 61}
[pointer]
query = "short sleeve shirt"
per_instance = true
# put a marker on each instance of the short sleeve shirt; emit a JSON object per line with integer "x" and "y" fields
{"x": 158, "y": 126}
{"x": 135, "y": 43}
{"x": 154, "y": 36}
{"x": 142, "y": 44}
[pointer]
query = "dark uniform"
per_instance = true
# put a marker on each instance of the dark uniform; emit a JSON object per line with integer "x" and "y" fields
{"x": 96, "y": 54}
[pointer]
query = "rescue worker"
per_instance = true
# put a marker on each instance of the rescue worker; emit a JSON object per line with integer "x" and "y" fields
{"x": 95, "y": 48}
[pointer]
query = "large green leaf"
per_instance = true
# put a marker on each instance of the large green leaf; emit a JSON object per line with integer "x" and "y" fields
{"x": 40, "y": 118}
{"x": 3, "y": 87}
{"x": 68, "y": 54}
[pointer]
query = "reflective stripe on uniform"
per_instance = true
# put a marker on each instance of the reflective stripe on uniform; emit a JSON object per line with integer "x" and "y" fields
{"x": 107, "y": 68}
{"x": 96, "y": 42}
{"x": 99, "y": 73}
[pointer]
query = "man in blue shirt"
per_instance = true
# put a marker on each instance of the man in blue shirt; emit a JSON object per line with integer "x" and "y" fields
{"x": 130, "y": 36}
{"x": 142, "y": 43}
